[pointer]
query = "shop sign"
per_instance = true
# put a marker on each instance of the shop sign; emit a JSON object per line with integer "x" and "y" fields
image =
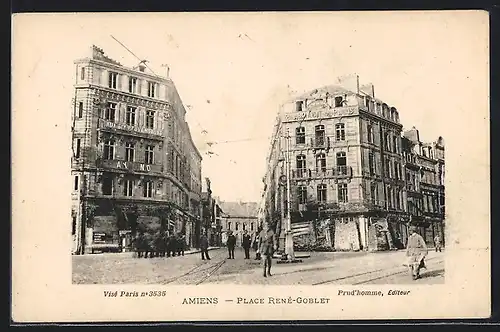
{"x": 99, "y": 238}
{"x": 320, "y": 114}
{"x": 120, "y": 126}
{"x": 132, "y": 166}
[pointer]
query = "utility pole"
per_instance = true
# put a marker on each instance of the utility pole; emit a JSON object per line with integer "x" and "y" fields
{"x": 289, "y": 256}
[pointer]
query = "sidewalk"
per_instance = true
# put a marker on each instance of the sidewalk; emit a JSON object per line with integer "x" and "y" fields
{"x": 131, "y": 253}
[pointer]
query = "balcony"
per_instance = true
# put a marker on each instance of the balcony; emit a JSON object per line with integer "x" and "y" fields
{"x": 120, "y": 128}
{"x": 343, "y": 171}
{"x": 301, "y": 173}
{"x": 337, "y": 172}
{"x": 320, "y": 142}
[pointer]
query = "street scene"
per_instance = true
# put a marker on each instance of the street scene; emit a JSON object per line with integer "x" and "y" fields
{"x": 327, "y": 184}
{"x": 318, "y": 268}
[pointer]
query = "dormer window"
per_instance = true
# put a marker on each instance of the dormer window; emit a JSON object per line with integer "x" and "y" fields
{"x": 339, "y": 101}
{"x": 299, "y": 106}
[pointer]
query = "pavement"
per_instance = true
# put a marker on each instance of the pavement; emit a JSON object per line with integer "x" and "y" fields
{"x": 320, "y": 268}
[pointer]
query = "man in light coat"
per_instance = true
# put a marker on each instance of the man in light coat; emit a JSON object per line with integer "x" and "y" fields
{"x": 416, "y": 251}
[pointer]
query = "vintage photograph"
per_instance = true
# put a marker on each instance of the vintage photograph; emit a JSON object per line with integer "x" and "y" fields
{"x": 344, "y": 191}
{"x": 250, "y": 166}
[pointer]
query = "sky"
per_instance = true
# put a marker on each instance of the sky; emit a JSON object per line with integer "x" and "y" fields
{"x": 234, "y": 69}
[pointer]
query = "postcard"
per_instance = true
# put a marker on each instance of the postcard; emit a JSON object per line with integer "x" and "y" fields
{"x": 250, "y": 166}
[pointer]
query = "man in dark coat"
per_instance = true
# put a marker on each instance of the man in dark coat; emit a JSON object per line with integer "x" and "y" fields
{"x": 231, "y": 243}
{"x": 204, "y": 247}
{"x": 246, "y": 242}
{"x": 181, "y": 244}
{"x": 171, "y": 245}
{"x": 268, "y": 244}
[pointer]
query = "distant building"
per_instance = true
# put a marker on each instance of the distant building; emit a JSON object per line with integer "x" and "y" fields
{"x": 238, "y": 217}
{"x": 425, "y": 171}
{"x": 346, "y": 169}
{"x": 133, "y": 161}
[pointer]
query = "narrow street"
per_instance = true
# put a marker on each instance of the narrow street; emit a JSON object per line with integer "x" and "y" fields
{"x": 320, "y": 268}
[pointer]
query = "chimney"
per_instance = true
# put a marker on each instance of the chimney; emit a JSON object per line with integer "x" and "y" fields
{"x": 369, "y": 89}
{"x": 349, "y": 82}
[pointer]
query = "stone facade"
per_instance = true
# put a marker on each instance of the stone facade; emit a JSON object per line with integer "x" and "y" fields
{"x": 132, "y": 155}
{"x": 345, "y": 153}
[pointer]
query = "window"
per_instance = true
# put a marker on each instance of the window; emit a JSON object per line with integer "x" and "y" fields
{"x": 109, "y": 112}
{"x": 129, "y": 151}
{"x": 151, "y": 89}
{"x": 387, "y": 167}
{"x": 109, "y": 150}
{"x": 302, "y": 194}
{"x": 321, "y": 162}
{"x": 149, "y": 154}
{"x": 107, "y": 184}
{"x": 388, "y": 197}
{"x": 298, "y": 106}
{"x": 82, "y": 73}
{"x": 300, "y": 135}
{"x": 424, "y": 152}
{"x": 130, "y": 116}
{"x": 76, "y": 182}
{"x": 341, "y": 163}
{"x": 128, "y": 188}
{"x": 132, "y": 85}
{"x": 320, "y": 135}
{"x": 398, "y": 201}
{"x": 78, "y": 146}
{"x": 148, "y": 189}
{"x": 251, "y": 227}
{"x": 321, "y": 192}
{"x": 150, "y": 119}
{"x": 229, "y": 225}
{"x": 340, "y": 132}
{"x": 379, "y": 108}
{"x": 387, "y": 142}
{"x": 339, "y": 101}
{"x": 237, "y": 225}
{"x": 367, "y": 102}
{"x": 342, "y": 192}
{"x": 112, "y": 80}
{"x": 395, "y": 143}
{"x": 373, "y": 192}
{"x": 371, "y": 163}
{"x": 369, "y": 130}
{"x": 73, "y": 226}
{"x": 301, "y": 165}
{"x": 80, "y": 110}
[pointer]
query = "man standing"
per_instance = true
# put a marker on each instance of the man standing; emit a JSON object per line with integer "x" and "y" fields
{"x": 231, "y": 243}
{"x": 246, "y": 244}
{"x": 416, "y": 250}
{"x": 267, "y": 241}
{"x": 437, "y": 243}
{"x": 204, "y": 246}
{"x": 181, "y": 242}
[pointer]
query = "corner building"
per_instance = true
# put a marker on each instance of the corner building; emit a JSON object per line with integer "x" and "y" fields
{"x": 134, "y": 162}
{"x": 347, "y": 180}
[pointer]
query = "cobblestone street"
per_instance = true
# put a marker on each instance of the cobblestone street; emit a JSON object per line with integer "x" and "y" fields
{"x": 321, "y": 268}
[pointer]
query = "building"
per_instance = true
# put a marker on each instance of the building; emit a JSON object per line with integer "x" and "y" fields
{"x": 134, "y": 163}
{"x": 211, "y": 215}
{"x": 424, "y": 169}
{"x": 346, "y": 169}
{"x": 238, "y": 217}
